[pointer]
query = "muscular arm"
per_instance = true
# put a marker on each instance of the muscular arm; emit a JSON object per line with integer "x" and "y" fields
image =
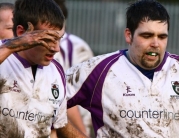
{"x": 69, "y": 132}
{"x": 75, "y": 118}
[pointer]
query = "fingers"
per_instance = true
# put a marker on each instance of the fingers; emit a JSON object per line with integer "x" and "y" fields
{"x": 44, "y": 38}
{"x": 33, "y": 38}
{"x": 30, "y": 27}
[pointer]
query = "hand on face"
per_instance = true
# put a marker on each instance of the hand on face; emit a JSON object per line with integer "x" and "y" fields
{"x": 32, "y": 38}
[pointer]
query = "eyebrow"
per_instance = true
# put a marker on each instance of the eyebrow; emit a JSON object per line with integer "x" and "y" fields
{"x": 149, "y": 33}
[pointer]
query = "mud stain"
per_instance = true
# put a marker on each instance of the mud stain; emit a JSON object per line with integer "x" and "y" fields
{"x": 77, "y": 76}
{"x": 10, "y": 129}
{"x": 134, "y": 129}
{"x": 173, "y": 68}
{"x": 70, "y": 79}
{"x": 114, "y": 118}
{"x": 113, "y": 134}
{"x": 2, "y": 82}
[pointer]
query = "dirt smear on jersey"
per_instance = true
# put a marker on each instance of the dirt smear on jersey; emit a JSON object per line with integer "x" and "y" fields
{"x": 134, "y": 129}
{"x": 114, "y": 118}
{"x": 9, "y": 129}
{"x": 77, "y": 76}
{"x": 174, "y": 69}
{"x": 113, "y": 134}
{"x": 70, "y": 79}
{"x": 2, "y": 82}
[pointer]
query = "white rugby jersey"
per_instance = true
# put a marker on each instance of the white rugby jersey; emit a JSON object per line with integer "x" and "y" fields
{"x": 123, "y": 102}
{"x": 73, "y": 50}
{"x": 28, "y": 107}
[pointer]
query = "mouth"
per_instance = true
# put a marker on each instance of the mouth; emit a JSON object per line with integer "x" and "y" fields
{"x": 49, "y": 56}
{"x": 152, "y": 54}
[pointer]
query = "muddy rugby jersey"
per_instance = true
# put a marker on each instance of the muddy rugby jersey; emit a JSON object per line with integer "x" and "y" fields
{"x": 73, "y": 50}
{"x": 28, "y": 107}
{"x": 123, "y": 102}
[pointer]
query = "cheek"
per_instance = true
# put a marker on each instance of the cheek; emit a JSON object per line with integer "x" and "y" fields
{"x": 37, "y": 51}
{"x": 9, "y": 34}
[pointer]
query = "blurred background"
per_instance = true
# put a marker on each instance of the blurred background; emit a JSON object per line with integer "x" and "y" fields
{"x": 101, "y": 23}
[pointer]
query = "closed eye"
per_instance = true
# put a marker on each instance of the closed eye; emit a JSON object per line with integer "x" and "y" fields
{"x": 164, "y": 36}
{"x": 146, "y": 35}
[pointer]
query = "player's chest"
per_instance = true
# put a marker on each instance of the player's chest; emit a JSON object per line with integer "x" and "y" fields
{"x": 22, "y": 87}
{"x": 134, "y": 90}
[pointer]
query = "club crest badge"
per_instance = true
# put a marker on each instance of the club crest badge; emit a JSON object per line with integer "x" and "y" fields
{"x": 175, "y": 86}
{"x": 55, "y": 91}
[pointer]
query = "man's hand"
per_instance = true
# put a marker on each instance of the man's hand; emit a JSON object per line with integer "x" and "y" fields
{"x": 32, "y": 39}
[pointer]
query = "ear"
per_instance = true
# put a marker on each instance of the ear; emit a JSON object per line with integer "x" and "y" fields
{"x": 128, "y": 36}
{"x": 20, "y": 30}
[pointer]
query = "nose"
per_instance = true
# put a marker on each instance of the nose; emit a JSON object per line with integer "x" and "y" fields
{"x": 155, "y": 42}
{"x": 55, "y": 47}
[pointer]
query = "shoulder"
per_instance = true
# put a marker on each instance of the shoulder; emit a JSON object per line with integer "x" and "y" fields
{"x": 173, "y": 56}
{"x": 88, "y": 66}
{"x": 58, "y": 67}
{"x": 77, "y": 39}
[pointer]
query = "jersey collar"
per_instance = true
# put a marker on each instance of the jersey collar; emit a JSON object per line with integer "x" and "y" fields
{"x": 156, "y": 69}
{"x": 24, "y": 62}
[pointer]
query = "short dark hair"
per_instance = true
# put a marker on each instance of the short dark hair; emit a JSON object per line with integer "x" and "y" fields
{"x": 63, "y": 7}
{"x": 145, "y": 10}
{"x": 37, "y": 11}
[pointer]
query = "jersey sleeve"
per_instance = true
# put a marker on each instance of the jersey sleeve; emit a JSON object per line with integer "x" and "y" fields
{"x": 60, "y": 113}
{"x": 85, "y": 79}
{"x": 81, "y": 52}
{"x": 75, "y": 77}
{"x": 61, "y": 118}
{"x": 80, "y": 82}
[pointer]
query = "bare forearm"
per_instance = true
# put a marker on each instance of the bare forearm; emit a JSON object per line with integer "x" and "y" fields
{"x": 75, "y": 118}
{"x": 69, "y": 132}
{"x": 11, "y": 46}
{"x": 4, "y": 52}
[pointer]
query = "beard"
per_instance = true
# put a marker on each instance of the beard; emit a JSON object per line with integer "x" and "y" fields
{"x": 150, "y": 65}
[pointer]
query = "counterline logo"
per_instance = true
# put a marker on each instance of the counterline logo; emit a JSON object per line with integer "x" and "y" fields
{"x": 152, "y": 114}
{"x": 24, "y": 115}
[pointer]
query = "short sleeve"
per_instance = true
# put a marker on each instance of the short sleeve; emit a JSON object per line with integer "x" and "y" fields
{"x": 60, "y": 120}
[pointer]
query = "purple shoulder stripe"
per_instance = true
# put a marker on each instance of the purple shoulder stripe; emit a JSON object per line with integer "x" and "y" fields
{"x": 163, "y": 62}
{"x": 70, "y": 50}
{"x": 63, "y": 53}
{"x": 90, "y": 94}
{"x": 174, "y": 56}
{"x": 60, "y": 70}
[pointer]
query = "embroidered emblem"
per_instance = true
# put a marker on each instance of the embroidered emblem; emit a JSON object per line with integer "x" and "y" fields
{"x": 55, "y": 91}
{"x": 175, "y": 86}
